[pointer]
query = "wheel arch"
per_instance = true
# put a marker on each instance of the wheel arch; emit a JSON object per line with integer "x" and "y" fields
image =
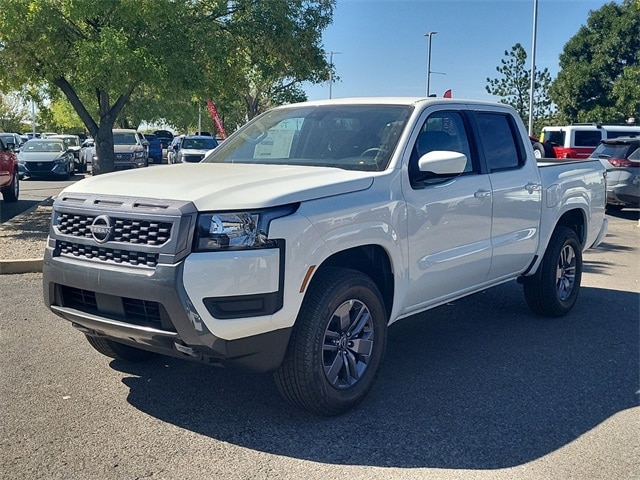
{"x": 574, "y": 219}
{"x": 372, "y": 260}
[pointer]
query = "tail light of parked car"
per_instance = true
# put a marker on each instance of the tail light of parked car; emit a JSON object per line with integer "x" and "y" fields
{"x": 622, "y": 162}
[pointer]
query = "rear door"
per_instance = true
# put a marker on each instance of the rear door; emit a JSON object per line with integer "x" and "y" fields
{"x": 516, "y": 192}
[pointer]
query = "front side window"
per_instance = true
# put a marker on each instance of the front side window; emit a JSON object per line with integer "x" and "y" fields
{"x": 500, "y": 141}
{"x": 351, "y": 137}
{"x": 443, "y": 131}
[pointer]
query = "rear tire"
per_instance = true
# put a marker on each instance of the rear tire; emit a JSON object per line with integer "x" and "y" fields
{"x": 538, "y": 150}
{"x": 119, "y": 351}
{"x": 554, "y": 290}
{"x": 337, "y": 344}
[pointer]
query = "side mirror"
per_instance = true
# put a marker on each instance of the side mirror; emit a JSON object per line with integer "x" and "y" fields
{"x": 443, "y": 163}
{"x": 145, "y": 143}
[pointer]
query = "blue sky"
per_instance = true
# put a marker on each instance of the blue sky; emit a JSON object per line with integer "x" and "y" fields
{"x": 384, "y": 51}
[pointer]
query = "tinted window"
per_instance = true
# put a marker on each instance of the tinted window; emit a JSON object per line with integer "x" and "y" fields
{"x": 616, "y": 134}
{"x": 587, "y": 138}
{"x": 500, "y": 142}
{"x": 443, "y": 131}
{"x": 554, "y": 136}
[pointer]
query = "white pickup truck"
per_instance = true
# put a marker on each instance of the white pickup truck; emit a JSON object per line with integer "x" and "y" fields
{"x": 296, "y": 243}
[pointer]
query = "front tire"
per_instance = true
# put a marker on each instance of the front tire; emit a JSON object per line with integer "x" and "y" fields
{"x": 337, "y": 344}
{"x": 119, "y": 351}
{"x": 554, "y": 291}
{"x": 11, "y": 192}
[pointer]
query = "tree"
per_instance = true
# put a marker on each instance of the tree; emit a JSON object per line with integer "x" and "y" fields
{"x": 515, "y": 83}
{"x": 599, "y": 78}
{"x": 104, "y": 56}
{"x": 12, "y": 113}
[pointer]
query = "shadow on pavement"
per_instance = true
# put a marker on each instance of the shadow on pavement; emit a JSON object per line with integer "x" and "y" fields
{"x": 10, "y": 210}
{"x": 478, "y": 384}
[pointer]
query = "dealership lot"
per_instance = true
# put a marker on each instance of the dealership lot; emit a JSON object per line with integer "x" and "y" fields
{"x": 480, "y": 388}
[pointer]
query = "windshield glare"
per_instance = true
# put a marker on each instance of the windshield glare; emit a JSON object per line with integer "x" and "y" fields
{"x": 352, "y": 137}
{"x": 42, "y": 146}
{"x": 199, "y": 143}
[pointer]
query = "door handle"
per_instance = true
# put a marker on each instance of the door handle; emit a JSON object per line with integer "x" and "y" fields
{"x": 482, "y": 194}
{"x": 532, "y": 187}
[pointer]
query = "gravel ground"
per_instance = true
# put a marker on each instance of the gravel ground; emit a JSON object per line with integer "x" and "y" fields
{"x": 25, "y": 236}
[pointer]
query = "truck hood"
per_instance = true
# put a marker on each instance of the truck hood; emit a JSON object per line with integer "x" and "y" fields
{"x": 224, "y": 186}
{"x": 126, "y": 148}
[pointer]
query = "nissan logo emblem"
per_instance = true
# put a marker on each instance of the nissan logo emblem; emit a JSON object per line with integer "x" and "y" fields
{"x": 101, "y": 228}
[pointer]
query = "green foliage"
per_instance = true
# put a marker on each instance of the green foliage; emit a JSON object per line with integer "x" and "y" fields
{"x": 599, "y": 79}
{"x": 125, "y": 61}
{"x": 12, "y": 113}
{"x": 514, "y": 84}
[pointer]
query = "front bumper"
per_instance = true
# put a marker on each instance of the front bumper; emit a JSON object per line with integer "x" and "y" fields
{"x": 42, "y": 169}
{"x": 152, "y": 312}
{"x": 170, "y": 302}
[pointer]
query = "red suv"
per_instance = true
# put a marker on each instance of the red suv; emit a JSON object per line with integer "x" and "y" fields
{"x": 9, "y": 182}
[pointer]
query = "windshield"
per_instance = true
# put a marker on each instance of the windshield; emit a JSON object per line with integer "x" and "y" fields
{"x": 126, "y": 138}
{"x": 199, "y": 143}
{"x": 42, "y": 146}
{"x": 352, "y": 137}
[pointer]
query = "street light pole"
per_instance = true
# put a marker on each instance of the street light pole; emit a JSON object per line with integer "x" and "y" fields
{"x": 331, "y": 54}
{"x": 533, "y": 65}
{"x": 429, "y": 34}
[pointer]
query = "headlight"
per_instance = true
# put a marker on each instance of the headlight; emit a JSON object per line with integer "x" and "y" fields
{"x": 237, "y": 230}
{"x": 139, "y": 154}
{"x": 60, "y": 160}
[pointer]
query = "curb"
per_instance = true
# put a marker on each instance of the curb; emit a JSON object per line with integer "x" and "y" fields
{"x": 24, "y": 265}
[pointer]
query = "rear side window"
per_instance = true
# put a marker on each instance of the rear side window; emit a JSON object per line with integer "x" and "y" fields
{"x": 554, "y": 136}
{"x": 500, "y": 141}
{"x": 617, "y": 133}
{"x": 587, "y": 138}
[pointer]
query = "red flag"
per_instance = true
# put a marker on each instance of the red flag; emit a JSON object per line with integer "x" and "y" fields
{"x": 216, "y": 119}
{"x": 447, "y": 94}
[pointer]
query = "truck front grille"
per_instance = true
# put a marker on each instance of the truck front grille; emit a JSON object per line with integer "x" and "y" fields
{"x": 141, "y": 232}
{"x": 121, "y": 230}
{"x": 117, "y": 256}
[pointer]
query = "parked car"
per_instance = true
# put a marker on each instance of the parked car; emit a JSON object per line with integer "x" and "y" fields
{"x": 621, "y": 158}
{"x": 47, "y": 134}
{"x": 72, "y": 143}
{"x": 129, "y": 149}
{"x": 194, "y": 148}
{"x": 154, "y": 150}
{"x": 48, "y": 157}
{"x": 165, "y": 137}
{"x": 173, "y": 148}
{"x": 87, "y": 151}
{"x": 9, "y": 176}
{"x": 12, "y": 138}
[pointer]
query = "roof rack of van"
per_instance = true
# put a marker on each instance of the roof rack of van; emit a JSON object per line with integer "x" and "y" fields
{"x": 608, "y": 124}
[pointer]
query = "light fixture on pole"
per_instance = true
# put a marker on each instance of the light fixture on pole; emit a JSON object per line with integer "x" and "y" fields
{"x": 331, "y": 54}
{"x": 429, "y": 34}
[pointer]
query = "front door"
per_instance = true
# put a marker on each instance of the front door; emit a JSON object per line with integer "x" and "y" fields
{"x": 449, "y": 220}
